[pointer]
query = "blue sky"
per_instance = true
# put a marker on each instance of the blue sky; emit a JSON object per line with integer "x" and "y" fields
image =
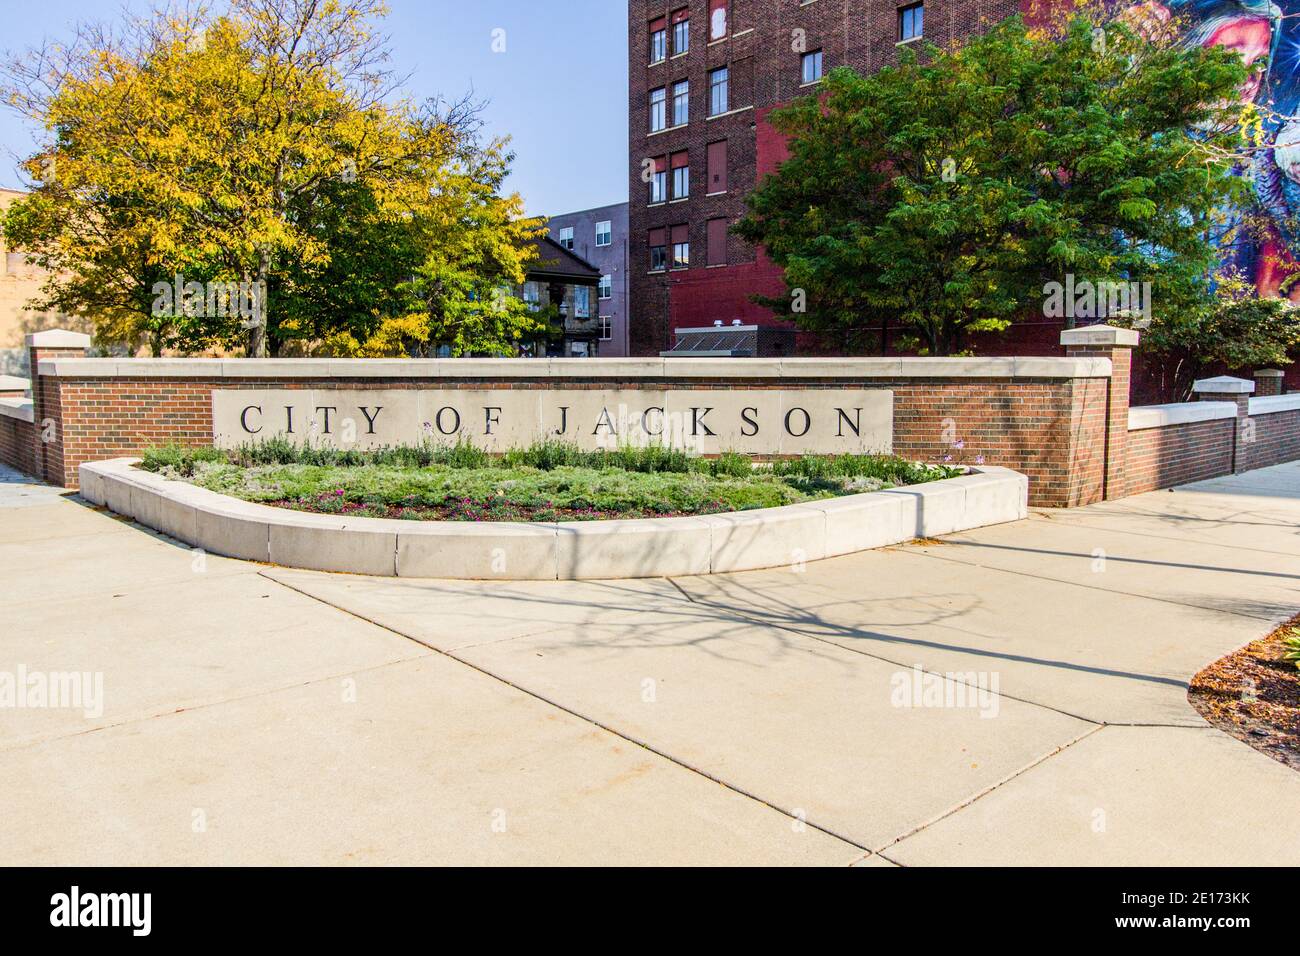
{"x": 572, "y": 52}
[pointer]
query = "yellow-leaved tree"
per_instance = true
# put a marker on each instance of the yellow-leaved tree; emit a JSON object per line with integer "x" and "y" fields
{"x": 263, "y": 149}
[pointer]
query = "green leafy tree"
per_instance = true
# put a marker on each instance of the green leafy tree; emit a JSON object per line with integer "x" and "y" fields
{"x": 939, "y": 196}
{"x": 1233, "y": 329}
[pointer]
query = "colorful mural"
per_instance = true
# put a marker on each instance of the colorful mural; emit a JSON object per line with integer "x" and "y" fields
{"x": 1264, "y": 241}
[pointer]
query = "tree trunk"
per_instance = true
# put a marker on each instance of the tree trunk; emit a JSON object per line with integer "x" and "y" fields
{"x": 257, "y": 324}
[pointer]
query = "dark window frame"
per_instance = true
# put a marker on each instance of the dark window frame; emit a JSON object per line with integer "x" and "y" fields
{"x": 812, "y": 56}
{"x": 911, "y": 17}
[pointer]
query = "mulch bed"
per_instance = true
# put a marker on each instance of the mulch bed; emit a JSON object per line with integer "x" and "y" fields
{"x": 1254, "y": 695}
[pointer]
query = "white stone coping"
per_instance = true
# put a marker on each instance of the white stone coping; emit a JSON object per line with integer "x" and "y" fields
{"x": 1100, "y": 335}
{"x": 580, "y": 368}
{"x": 14, "y": 383}
{"x": 58, "y": 339}
{"x": 1223, "y": 385}
{"x": 1178, "y": 413}
{"x": 653, "y": 547}
{"x": 20, "y": 408}
{"x": 1267, "y": 404}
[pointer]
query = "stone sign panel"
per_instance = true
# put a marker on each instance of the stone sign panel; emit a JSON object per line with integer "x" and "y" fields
{"x": 704, "y": 421}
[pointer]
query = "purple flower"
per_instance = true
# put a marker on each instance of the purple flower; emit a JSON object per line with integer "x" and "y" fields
{"x": 979, "y": 459}
{"x": 959, "y": 444}
{"x": 947, "y": 457}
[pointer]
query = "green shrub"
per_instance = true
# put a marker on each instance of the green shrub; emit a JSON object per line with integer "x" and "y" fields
{"x": 179, "y": 460}
{"x": 543, "y": 482}
{"x": 1292, "y": 643}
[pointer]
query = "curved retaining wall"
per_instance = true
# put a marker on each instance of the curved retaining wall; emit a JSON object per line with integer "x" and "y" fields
{"x": 655, "y": 547}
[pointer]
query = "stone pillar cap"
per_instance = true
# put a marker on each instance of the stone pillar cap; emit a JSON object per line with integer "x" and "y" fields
{"x": 1100, "y": 335}
{"x": 58, "y": 339}
{"x": 1223, "y": 385}
{"x": 1269, "y": 373}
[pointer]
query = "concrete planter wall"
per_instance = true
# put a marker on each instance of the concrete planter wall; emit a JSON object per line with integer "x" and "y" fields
{"x": 655, "y": 547}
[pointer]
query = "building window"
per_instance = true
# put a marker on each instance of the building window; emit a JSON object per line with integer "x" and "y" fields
{"x": 681, "y": 103}
{"x": 606, "y": 288}
{"x": 911, "y": 21}
{"x": 566, "y": 237}
{"x": 532, "y": 296}
{"x": 659, "y": 181}
{"x": 604, "y": 235}
{"x": 717, "y": 167}
{"x": 681, "y": 31}
{"x": 718, "y": 91}
{"x": 812, "y": 66}
{"x": 606, "y": 328}
{"x": 658, "y": 110}
{"x": 681, "y": 164}
{"x": 681, "y": 248}
{"x": 658, "y": 250}
{"x": 717, "y": 235}
{"x": 581, "y": 302}
{"x": 717, "y": 19}
{"x": 658, "y": 41}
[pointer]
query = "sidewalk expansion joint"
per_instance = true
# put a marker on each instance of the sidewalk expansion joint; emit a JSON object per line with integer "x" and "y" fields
{"x": 600, "y": 725}
{"x": 985, "y": 792}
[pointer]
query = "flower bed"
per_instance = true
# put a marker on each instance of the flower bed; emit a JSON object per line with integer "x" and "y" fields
{"x": 543, "y": 483}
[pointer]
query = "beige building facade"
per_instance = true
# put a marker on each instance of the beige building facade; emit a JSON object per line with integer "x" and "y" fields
{"x": 21, "y": 283}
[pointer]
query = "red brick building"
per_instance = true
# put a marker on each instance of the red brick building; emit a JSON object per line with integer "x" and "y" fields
{"x": 704, "y": 75}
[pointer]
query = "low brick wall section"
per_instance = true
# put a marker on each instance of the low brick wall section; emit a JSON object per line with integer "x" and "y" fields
{"x": 17, "y": 439}
{"x": 1050, "y": 427}
{"x": 1276, "y": 431}
{"x": 1171, "y": 455}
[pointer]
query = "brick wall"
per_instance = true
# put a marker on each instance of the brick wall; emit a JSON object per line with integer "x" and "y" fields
{"x": 1064, "y": 433}
{"x": 1175, "y": 454}
{"x": 1276, "y": 439}
{"x": 1043, "y": 427}
{"x": 17, "y": 444}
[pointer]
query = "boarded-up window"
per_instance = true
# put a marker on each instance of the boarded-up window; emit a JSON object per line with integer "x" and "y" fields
{"x": 717, "y": 242}
{"x": 718, "y": 167}
{"x": 717, "y": 19}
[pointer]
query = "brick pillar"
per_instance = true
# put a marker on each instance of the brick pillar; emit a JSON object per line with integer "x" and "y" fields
{"x": 51, "y": 344}
{"x": 1268, "y": 381}
{"x": 1105, "y": 341}
{"x": 1225, "y": 388}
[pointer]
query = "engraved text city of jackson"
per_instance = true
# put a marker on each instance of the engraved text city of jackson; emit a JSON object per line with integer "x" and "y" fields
{"x": 704, "y": 420}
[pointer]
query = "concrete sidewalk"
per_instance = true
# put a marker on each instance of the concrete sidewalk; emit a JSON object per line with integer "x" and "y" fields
{"x": 264, "y": 715}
